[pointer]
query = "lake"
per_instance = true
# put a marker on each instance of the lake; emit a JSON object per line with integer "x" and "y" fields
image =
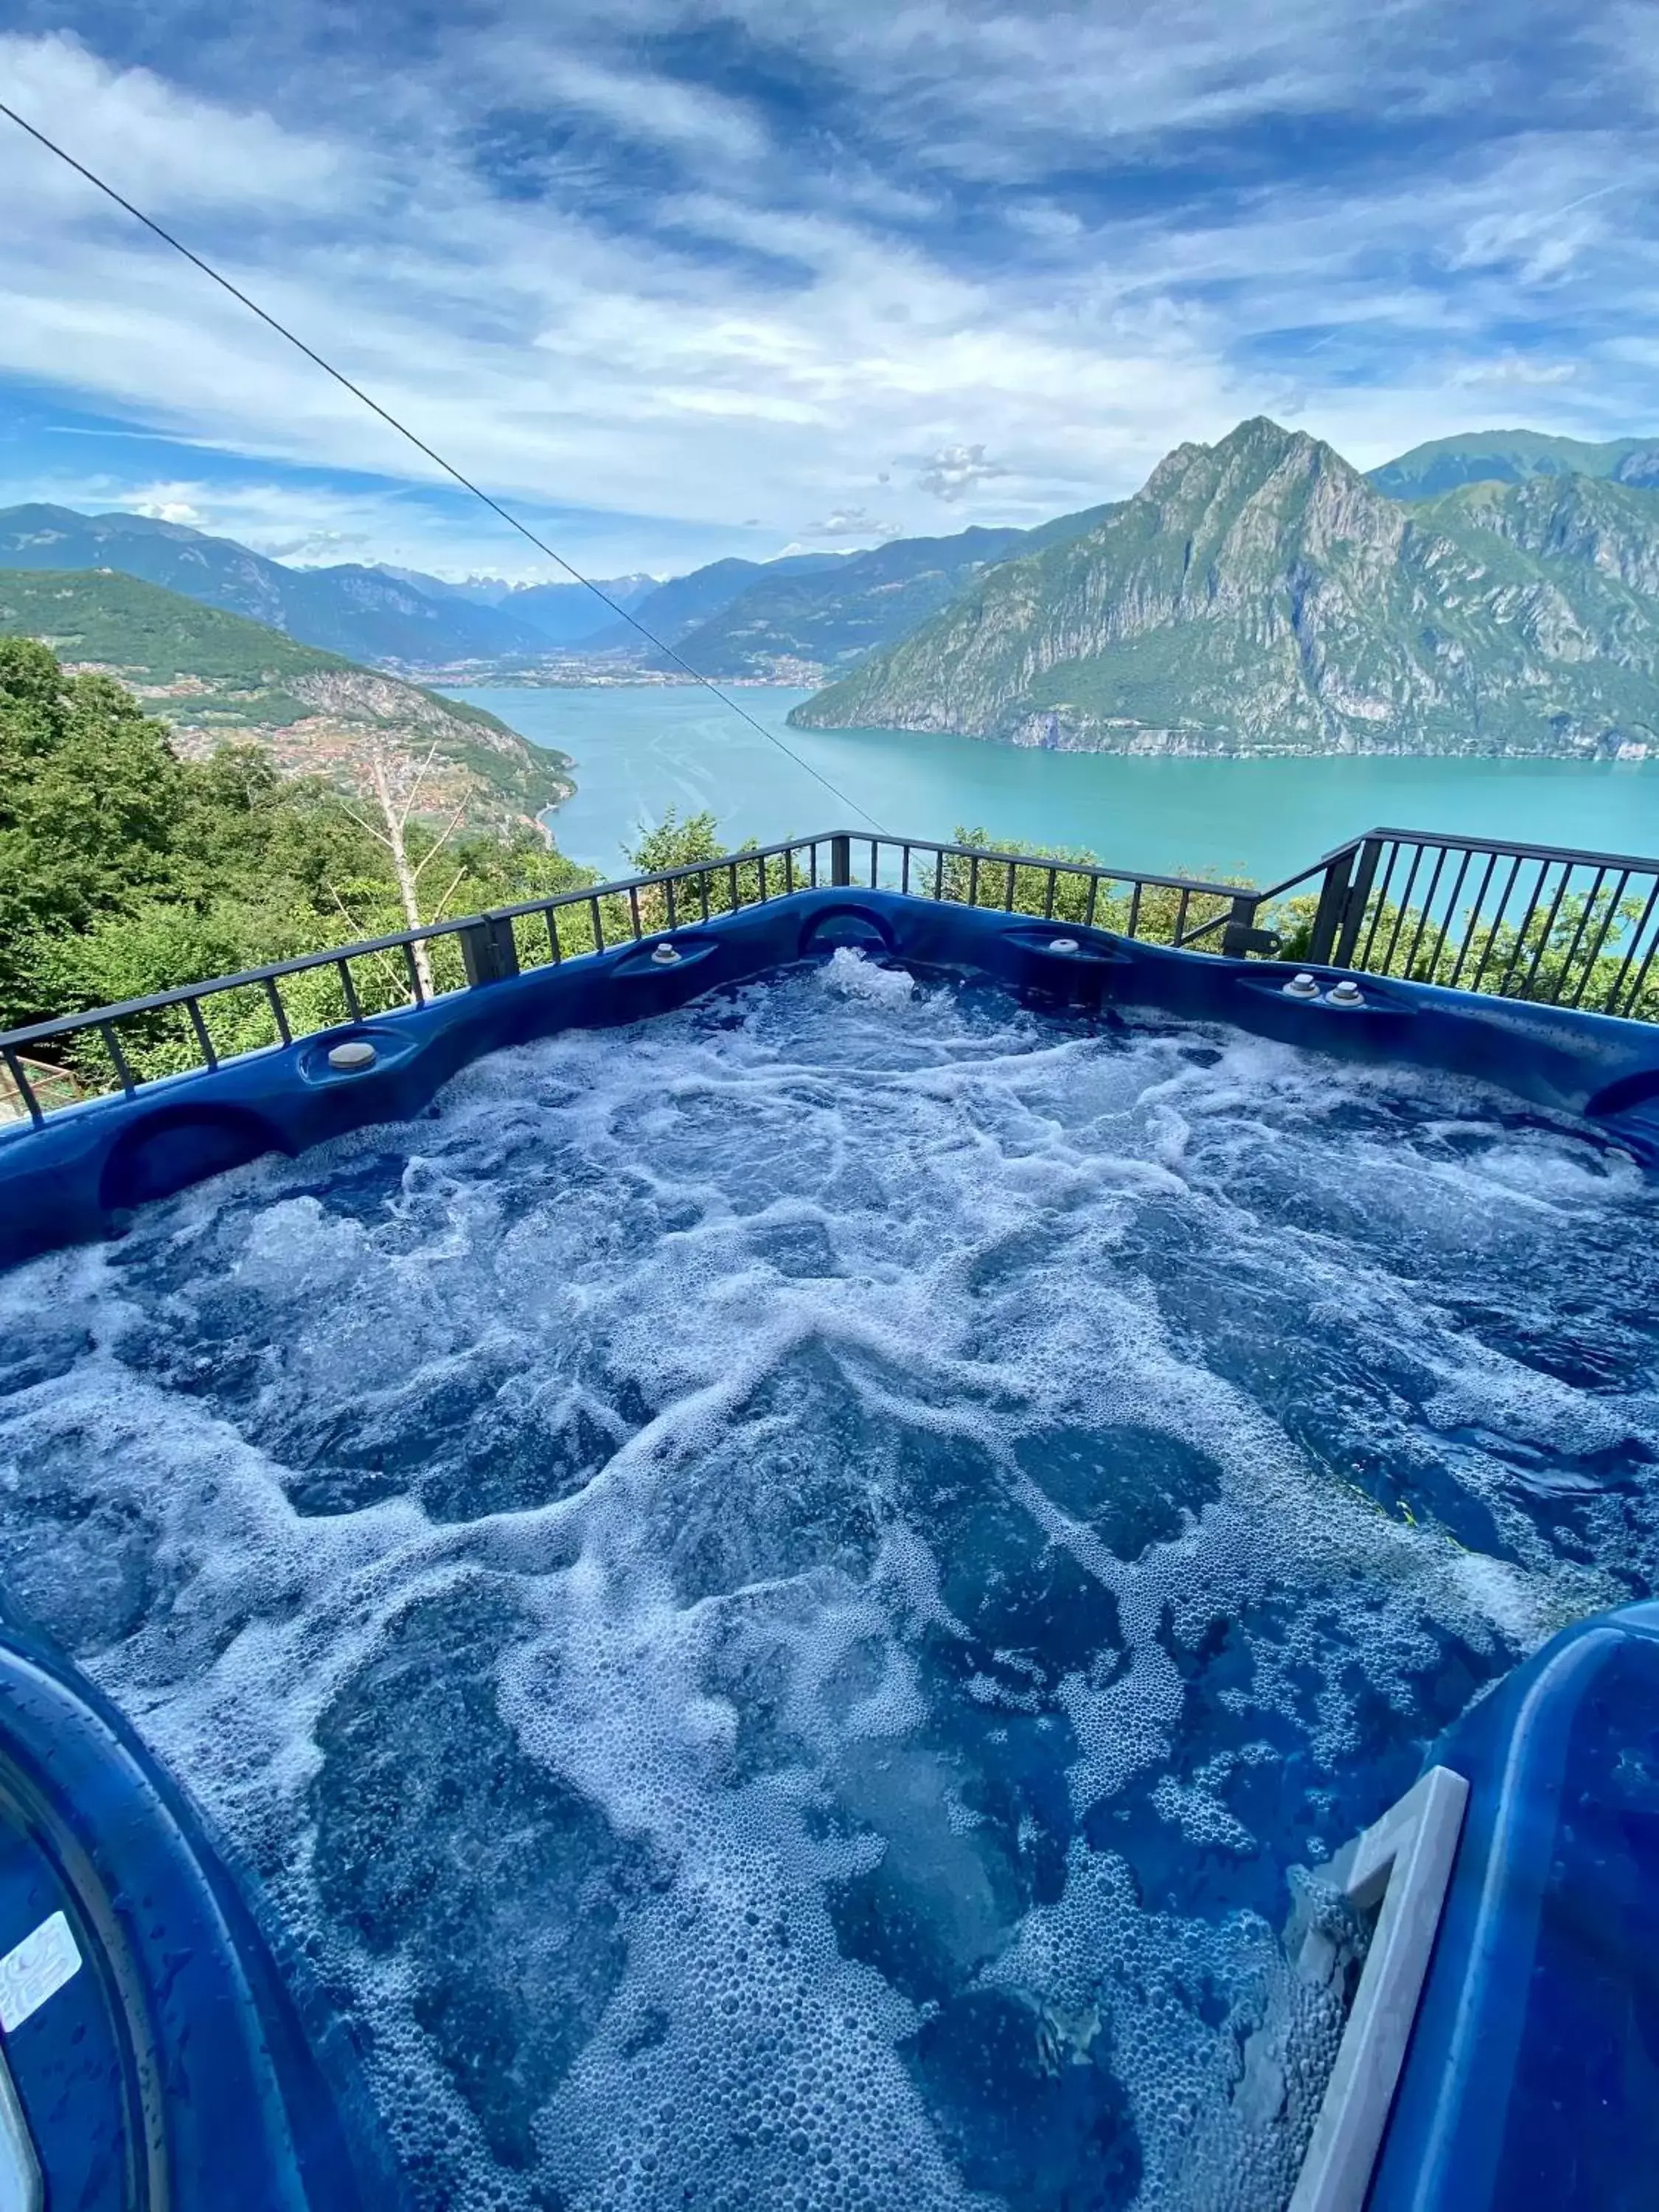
{"x": 639, "y": 751}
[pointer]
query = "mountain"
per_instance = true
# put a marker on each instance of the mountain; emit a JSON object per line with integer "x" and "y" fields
{"x": 1513, "y": 457}
{"x": 1260, "y": 595}
{"x": 367, "y": 614}
{"x": 797, "y": 618}
{"x": 672, "y": 610}
{"x": 569, "y": 614}
{"x": 804, "y": 624}
{"x": 218, "y": 679}
{"x": 560, "y": 614}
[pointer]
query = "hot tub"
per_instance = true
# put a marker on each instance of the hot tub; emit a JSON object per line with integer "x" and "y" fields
{"x": 770, "y": 1559}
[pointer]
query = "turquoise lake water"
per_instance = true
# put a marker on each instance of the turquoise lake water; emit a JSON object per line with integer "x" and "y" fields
{"x": 638, "y": 751}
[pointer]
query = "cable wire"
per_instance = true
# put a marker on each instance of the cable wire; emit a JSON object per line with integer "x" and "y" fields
{"x": 437, "y": 459}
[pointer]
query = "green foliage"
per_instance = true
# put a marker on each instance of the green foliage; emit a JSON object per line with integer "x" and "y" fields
{"x": 677, "y": 844}
{"x": 90, "y": 802}
{"x": 1157, "y": 914}
{"x": 125, "y": 872}
{"x": 1579, "y": 954}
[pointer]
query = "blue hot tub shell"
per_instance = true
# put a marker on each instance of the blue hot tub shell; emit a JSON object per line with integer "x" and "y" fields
{"x": 78, "y": 1177}
{"x": 1531, "y": 2073}
{"x": 186, "y": 2063}
{"x": 1532, "y": 2077}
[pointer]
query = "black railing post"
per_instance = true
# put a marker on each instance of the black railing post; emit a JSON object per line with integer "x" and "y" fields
{"x": 489, "y": 952}
{"x": 1357, "y": 899}
{"x": 1333, "y": 894}
{"x": 506, "y": 949}
{"x": 1241, "y": 937}
{"x": 840, "y": 862}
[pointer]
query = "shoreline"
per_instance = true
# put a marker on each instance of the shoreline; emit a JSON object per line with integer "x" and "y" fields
{"x": 639, "y": 751}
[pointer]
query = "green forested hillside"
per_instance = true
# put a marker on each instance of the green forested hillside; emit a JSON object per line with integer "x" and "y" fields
{"x": 156, "y": 636}
{"x": 215, "y": 677}
{"x": 1513, "y": 457}
{"x": 126, "y": 870}
{"x": 1260, "y": 596}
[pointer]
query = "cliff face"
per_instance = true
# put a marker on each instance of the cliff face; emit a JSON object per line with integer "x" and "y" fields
{"x": 1261, "y": 595}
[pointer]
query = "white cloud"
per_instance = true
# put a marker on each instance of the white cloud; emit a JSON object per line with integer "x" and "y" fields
{"x": 1001, "y": 93}
{"x": 1514, "y": 370}
{"x": 955, "y": 470}
{"x": 628, "y": 379}
{"x": 161, "y": 146}
{"x": 168, "y": 510}
{"x": 653, "y": 109}
{"x": 1539, "y": 244}
{"x": 622, "y": 383}
{"x": 853, "y": 522}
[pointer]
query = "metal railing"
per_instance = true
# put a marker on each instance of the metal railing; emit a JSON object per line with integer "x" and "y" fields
{"x": 1554, "y": 924}
{"x": 1584, "y": 932}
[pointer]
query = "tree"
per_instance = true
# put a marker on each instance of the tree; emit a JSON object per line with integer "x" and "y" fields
{"x": 396, "y": 808}
{"x": 126, "y": 871}
{"x": 91, "y": 803}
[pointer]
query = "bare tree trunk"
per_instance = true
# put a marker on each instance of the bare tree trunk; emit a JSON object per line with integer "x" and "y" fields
{"x": 395, "y": 839}
{"x": 396, "y": 823}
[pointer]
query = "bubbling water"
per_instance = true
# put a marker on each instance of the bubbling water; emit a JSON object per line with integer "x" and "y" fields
{"x": 774, "y": 1595}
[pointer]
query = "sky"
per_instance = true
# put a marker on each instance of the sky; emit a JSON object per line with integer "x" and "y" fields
{"x": 679, "y": 282}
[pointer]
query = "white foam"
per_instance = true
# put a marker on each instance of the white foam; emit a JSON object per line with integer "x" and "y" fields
{"x": 851, "y": 973}
{"x": 669, "y": 1393}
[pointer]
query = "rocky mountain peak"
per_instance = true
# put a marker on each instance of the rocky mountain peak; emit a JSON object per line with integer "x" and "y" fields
{"x": 1254, "y": 448}
{"x": 1260, "y": 594}
{"x": 1265, "y": 498}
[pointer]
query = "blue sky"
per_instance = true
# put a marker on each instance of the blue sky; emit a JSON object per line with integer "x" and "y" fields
{"x": 683, "y": 281}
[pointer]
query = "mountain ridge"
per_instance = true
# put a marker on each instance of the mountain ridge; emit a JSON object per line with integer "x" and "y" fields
{"x": 1262, "y": 595}
{"x": 1513, "y": 457}
{"x": 560, "y": 614}
{"x": 804, "y": 624}
{"x": 363, "y": 613}
{"x": 677, "y": 608}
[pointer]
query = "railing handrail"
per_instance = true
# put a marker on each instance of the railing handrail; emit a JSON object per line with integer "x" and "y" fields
{"x": 395, "y": 940}
{"x": 1449, "y": 842}
{"x": 1326, "y": 861}
{"x": 489, "y": 951}
{"x": 1508, "y": 847}
{"x": 361, "y": 948}
{"x": 1216, "y": 886}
